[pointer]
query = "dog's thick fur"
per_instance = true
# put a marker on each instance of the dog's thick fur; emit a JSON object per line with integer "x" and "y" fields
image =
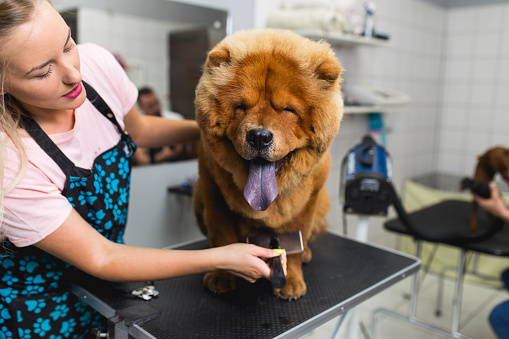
{"x": 289, "y": 87}
{"x": 494, "y": 160}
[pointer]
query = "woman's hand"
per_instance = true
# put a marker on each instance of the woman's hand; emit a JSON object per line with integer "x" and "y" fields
{"x": 247, "y": 261}
{"x": 494, "y": 205}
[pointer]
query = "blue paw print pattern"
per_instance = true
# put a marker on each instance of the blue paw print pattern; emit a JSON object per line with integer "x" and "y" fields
{"x": 29, "y": 263}
{"x": 35, "y": 305}
{"x": 110, "y": 157}
{"x": 42, "y": 326}
{"x": 31, "y": 277}
{"x": 24, "y": 333}
{"x": 77, "y": 181}
{"x": 59, "y": 312}
{"x": 5, "y": 333}
{"x": 43, "y": 317}
{"x": 4, "y": 314}
{"x": 8, "y": 294}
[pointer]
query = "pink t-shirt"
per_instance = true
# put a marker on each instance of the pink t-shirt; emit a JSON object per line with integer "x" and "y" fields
{"x": 36, "y": 207}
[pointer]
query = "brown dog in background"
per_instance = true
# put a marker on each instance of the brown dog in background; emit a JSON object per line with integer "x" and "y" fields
{"x": 494, "y": 160}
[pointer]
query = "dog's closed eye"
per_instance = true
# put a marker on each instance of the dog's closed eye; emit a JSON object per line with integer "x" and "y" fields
{"x": 290, "y": 110}
{"x": 241, "y": 107}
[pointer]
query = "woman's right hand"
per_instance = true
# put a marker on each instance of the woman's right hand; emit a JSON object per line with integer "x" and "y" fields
{"x": 247, "y": 261}
{"x": 494, "y": 205}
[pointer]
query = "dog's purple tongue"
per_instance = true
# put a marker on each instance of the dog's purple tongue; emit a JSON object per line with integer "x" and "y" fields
{"x": 261, "y": 186}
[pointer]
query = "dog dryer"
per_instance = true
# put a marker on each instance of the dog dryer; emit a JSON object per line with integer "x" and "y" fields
{"x": 366, "y": 184}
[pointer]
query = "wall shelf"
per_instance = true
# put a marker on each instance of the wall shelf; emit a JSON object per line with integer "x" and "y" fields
{"x": 337, "y": 39}
{"x": 372, "y": 109}
{"x": 360, "y": 109}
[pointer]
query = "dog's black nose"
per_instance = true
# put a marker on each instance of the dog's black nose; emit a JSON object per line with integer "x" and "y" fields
{"x": 259, "y": 138}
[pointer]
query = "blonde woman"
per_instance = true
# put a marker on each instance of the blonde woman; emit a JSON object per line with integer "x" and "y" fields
{"x": 65, "y": 114}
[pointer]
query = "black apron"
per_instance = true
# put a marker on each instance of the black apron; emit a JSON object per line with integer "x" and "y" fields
{"x": 35, "y": 300}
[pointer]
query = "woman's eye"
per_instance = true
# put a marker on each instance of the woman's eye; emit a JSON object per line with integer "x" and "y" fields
{"x": 45, "y": 75}
{"x": 69, "y": 48}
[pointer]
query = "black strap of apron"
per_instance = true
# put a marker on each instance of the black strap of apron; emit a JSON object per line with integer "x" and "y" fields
{"x": 101, "y": 106}
{"x": 44, "y": 141}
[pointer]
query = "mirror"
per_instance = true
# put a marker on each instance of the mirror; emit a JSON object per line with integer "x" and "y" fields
{"x": 161, "y": 44}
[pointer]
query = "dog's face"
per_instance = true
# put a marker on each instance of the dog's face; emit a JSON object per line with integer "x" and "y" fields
{"x": 269, "y": 105}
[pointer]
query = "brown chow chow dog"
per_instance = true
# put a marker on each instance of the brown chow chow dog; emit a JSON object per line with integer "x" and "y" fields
{"x": 268, "y": 105}
{"x": 494, "y": 160}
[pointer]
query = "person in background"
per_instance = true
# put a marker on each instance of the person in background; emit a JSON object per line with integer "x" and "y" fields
{"x": 499, "y": 316}
{"x": 68, "y": 131}
{"x": 149, "y": 104}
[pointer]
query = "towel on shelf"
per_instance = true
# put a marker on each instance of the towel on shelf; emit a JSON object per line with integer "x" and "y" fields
{"x": 317, "y": 18}
{"x": 354, "y": 14}
{"x": 308, "y": 3}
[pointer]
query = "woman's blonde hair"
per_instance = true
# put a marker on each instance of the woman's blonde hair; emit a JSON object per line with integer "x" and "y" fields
{"x": 12, "y": 14}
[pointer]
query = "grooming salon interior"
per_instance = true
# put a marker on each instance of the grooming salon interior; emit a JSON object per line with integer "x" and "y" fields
{"x": 427, "y": 80}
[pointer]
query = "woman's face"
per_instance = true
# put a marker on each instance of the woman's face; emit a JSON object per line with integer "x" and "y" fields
{"x": 44, "y": 69}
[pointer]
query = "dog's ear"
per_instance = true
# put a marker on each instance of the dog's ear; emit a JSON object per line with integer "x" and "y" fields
{"x": 328, "y": 71}
{"x": 218, "y": 57}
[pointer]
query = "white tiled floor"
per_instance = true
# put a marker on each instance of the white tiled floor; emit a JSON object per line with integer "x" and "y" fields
{"x": 477, "y": 302}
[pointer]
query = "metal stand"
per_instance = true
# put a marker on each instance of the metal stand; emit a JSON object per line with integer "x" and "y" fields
{"x": 351, "y": 318}
{"x": 411, "y": 317}
{"x": 474, "y": 272}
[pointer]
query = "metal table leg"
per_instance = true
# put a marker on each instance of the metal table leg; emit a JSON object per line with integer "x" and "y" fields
{"x": 411, "y": 317}
{"x": 459, "y": 292}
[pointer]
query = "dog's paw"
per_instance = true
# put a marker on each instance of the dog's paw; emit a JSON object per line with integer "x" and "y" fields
{"x": 306, "y": 255}
{"x": 294, "y": 289}
{"x": 219, "y": 282}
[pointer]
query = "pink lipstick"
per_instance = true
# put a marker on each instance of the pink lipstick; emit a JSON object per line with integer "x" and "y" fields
{"x": 74, "y": 93}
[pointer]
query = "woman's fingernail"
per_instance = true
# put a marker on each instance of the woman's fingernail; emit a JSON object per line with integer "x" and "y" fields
{"x": 279, "y": 251}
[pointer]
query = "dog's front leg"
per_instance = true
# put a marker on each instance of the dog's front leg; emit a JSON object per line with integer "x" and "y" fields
{"x": 309, "y": 221}
{"x": 219, "y": 224}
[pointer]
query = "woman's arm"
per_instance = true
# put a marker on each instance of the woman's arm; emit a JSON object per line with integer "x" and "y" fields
{"x": 494, "y": 205}
{"x": 80, "y": 245}
{"x": 151, "y": 131}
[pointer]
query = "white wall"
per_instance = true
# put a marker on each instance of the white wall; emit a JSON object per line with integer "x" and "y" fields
{"x": 475, "y": 112}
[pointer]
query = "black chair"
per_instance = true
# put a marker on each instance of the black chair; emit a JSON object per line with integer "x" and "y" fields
{"x": 447, "y": 223}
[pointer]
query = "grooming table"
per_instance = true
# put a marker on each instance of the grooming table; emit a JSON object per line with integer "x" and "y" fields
{"x": 341, "y": 275}
{"x": 450, "y": 217}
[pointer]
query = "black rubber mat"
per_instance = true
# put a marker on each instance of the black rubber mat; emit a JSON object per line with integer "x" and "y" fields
{"x": 341, "y": 274}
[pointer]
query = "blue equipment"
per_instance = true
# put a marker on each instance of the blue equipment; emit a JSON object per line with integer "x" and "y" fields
{"x": 367, "y": 179}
